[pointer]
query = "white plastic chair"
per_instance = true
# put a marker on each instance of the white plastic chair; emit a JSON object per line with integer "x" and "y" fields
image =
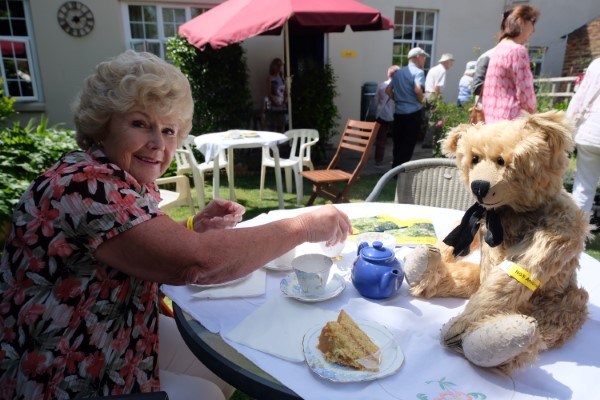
{"x": 186, "y": 160}
{"x": 181, "y": 196}
{"x": 301, "y": 141}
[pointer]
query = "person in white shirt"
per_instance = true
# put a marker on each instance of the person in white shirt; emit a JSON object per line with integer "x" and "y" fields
{"x": 436, "y": 78}
{"x": 384, "y": 114}
{"x": 585, "y": 107}
{"x": 434, "y": 87}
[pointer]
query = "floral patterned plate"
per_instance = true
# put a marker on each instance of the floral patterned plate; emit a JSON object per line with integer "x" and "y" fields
{"x": 392, "y": 359}
{"x": 290, "y": 287}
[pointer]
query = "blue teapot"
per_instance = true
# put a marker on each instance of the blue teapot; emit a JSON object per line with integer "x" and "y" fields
{"x": 376, "y": 272}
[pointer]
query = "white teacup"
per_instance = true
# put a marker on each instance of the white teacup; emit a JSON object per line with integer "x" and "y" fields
{"x": 332, "y": 251}
{"x": 312, "y": 271}
{"x": 285, "y": 260}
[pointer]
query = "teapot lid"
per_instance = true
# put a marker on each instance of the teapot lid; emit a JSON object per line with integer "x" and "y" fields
{"x": 377, "y": 252}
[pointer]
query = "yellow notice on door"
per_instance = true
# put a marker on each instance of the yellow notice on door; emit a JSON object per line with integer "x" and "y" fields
{"x": 348, "y": 53}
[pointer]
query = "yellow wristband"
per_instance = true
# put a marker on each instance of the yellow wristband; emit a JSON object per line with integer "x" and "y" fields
{"x": 520, "y": 274}
{"x": 190, "y": 223}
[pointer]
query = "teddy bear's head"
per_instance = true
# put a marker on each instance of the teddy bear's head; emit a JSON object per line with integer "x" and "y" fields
{"x": 517, "y": 163}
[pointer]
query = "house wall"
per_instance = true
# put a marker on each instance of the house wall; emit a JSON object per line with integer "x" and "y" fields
{"x": 583, "y": 46}
{"x": 65, "y": 60}
{"x": 465, "y": 28}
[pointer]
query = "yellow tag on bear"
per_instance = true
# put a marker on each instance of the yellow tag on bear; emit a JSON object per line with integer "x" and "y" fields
{"x": 520, "y": 274}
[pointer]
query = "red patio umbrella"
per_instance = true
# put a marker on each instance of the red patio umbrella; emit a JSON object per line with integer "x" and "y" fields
{"x": 237, "y": 20}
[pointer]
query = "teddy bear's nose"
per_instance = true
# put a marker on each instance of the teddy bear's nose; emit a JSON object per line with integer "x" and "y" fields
{"x": 480, "y": 188}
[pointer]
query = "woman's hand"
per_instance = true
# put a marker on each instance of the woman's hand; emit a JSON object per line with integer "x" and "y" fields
{"x": 218, "y": 214}
{"x": 326, "y": 224}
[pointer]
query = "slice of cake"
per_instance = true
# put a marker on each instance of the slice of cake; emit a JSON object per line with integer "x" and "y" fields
{"x": 343, "y": 342}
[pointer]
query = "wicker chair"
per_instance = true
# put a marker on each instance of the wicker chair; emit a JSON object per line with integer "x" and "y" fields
{"x": 435, "y": 182}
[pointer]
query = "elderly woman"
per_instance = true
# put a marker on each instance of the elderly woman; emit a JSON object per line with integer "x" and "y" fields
{"x": 88, "y": 247}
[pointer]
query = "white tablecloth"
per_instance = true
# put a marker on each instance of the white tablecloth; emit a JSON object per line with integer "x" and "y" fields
{"x": 429, "y": 370}
{"x": 211, "y": 144}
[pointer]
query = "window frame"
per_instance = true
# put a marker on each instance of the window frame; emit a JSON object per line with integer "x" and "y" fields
{"x": 404, "y": 45}
{"x": 31, "y": 57}
{"x": 536, "y": 55}
{"x": 146, "y": 44}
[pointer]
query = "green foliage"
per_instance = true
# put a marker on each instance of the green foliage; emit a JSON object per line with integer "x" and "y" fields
{"x": 25, "y": 153}
{"x": 6, "y": 106}
{"x": 313, "y": 100}
{"x": 443, "y": 118}
{"x": 219, "y": 81}
{"x": 446, "y": 116}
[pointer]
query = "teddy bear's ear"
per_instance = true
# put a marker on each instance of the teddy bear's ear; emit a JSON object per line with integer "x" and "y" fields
{"x": 556, "y": 127}
{"x": 450, "y": 143}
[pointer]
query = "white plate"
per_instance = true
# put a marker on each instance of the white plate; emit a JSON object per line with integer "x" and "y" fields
{"x": 290, "y": 287}
{"x": 211, "y": 285}
{"x": 392, "y": 359}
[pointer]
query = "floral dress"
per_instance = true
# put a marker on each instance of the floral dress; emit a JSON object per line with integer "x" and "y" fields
{"x": 71, "y": 326}
{"x": 508, "y": 87}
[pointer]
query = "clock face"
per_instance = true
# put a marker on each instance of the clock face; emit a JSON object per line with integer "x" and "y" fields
{"x": 75, "y": 18}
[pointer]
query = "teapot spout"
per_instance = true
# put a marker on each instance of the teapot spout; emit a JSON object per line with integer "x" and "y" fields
{"x": 391, "y": 281}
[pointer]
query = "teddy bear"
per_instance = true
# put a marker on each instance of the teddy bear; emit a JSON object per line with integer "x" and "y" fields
{"x": 523, "y": 295}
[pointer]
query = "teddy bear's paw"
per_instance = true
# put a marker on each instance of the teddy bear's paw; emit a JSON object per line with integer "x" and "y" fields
{"x": 451, "y": 333}
{"x": 500, "y": 340}
{"x": 417, "y": 261}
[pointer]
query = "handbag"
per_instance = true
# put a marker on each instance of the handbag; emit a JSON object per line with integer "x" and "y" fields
{"x": 476, "y": 111}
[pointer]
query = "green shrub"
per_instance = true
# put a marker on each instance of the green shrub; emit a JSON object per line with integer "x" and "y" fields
{"x": 443, "y": 118}
{"x": 219, "y": 81}
{"x": 25, "y": 153}
{"x": 313, "y": 100}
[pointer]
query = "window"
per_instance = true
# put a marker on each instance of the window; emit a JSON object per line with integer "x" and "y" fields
{"x": 536, "y": 56}
{"x": 413, "y": 28}
{"x": 18, "y": 73}
{"x": 151, "y": 26}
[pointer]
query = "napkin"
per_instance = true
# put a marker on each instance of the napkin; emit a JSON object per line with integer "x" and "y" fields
{"x": 278, "y": 327}
{"x": 253, "y": 286}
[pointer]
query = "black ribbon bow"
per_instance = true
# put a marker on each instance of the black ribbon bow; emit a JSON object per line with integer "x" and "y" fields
{"x": 462, "y": 236}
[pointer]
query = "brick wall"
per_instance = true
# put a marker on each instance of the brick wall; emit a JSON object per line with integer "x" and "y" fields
{"x": 583, "y": 46}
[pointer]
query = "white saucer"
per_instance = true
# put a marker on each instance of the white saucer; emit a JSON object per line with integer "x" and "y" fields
{"x": 211, "y": 285}
{"x": 290, "y": 287}
{"x": 391, "y": 360}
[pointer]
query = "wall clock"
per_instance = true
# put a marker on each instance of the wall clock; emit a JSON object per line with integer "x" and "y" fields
{"x": 75, "y": 18}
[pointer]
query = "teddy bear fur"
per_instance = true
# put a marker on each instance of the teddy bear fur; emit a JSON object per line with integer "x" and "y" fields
{"x": 505, "y": 325}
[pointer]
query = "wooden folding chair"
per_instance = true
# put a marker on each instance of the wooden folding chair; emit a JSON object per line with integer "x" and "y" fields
{"x": 334, "y": 183}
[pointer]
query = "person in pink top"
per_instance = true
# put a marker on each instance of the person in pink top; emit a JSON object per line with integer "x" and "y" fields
{"x": 508, "y": 88}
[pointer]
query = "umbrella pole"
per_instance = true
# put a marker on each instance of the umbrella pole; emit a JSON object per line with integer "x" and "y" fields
{"x": 288, "y": 77}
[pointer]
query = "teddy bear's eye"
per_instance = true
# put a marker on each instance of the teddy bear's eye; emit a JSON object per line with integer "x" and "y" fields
{"x": 475, "y": 159}
{"x": 500, "y": 161}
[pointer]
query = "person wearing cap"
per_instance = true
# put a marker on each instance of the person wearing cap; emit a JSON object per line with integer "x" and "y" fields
{"x": 406, "y": 88}
{"x": 436, "y": 78}
{"x": 465, "y": 84}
